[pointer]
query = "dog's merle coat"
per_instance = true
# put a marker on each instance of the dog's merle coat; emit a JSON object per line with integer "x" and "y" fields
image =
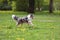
{"x": 26, "y": 19}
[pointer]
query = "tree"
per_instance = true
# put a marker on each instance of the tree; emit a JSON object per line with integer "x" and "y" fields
{"x": 31, "y": 6}
{"x": 51, "y": 6}
{"x": 4, "y": 5}
{"x": 21, "y": 5}
{"x": 39, "y": 4}
{"x": 5, "y": 2}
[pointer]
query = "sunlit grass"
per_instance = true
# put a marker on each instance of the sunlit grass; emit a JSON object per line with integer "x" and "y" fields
{"x": 46, "y": 27}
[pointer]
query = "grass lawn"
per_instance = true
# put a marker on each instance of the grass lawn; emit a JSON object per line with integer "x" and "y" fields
{"x": 46, "y": 27}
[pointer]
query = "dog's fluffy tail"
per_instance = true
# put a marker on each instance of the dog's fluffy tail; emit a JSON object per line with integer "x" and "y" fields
{"x": 13, "y": 16}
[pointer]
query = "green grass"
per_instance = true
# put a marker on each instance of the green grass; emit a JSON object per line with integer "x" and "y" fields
{"x": 46, "y": 27}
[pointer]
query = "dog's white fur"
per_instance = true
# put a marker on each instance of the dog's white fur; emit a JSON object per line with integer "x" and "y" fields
{"x": 29, "y": 19}
{"x": 13, "y": 16}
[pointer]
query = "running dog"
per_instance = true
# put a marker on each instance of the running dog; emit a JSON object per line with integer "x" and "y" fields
{"x": 27, "y": 19}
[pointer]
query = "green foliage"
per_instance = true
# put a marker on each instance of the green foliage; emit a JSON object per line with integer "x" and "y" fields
{"x": 1, "y": 2}
{"x": 5, "y": 5}
{"x": 13, "y": 6}
{"x": 57, "y": 4}
{"x": 39, "y": 4}
{"x": 22, "y": 5}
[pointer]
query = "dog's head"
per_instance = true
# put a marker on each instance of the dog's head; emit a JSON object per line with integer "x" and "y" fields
{"x": 30, "y": 16}
{"x": 14, "y": 17}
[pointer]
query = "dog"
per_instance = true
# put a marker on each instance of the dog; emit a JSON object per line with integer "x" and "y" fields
{"x": 27, "y": 19}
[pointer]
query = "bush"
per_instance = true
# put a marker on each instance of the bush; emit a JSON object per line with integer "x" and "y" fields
{"x": 21, "y": 5}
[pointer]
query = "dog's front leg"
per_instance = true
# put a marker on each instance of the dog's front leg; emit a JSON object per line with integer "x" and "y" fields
{"x": 30, "y": 23}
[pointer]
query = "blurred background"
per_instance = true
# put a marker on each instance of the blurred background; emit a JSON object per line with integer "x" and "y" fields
{"x": 23, "y": 5}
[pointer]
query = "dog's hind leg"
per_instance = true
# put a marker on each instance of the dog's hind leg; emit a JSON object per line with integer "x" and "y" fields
{"x": 19, "y": 24}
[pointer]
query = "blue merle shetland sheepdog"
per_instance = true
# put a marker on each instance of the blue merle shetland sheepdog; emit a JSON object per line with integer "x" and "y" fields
{"x": 27, "y": 19}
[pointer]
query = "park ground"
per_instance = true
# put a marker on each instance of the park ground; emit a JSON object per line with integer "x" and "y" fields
{"x": 46, "y": 27}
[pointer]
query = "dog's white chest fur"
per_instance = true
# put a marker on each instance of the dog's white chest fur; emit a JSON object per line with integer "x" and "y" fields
{"x": 29, "y": 17}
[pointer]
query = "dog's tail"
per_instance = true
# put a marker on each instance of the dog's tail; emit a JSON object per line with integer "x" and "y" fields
{"x": 13, "y": 16}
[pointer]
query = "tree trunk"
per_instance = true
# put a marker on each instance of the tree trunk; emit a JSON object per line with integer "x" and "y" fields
{"x": 31, "y": 6}
{"x": 51, "y": 6}
{"x": 21, "y": 5}
{"x": 38, "y": 3}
